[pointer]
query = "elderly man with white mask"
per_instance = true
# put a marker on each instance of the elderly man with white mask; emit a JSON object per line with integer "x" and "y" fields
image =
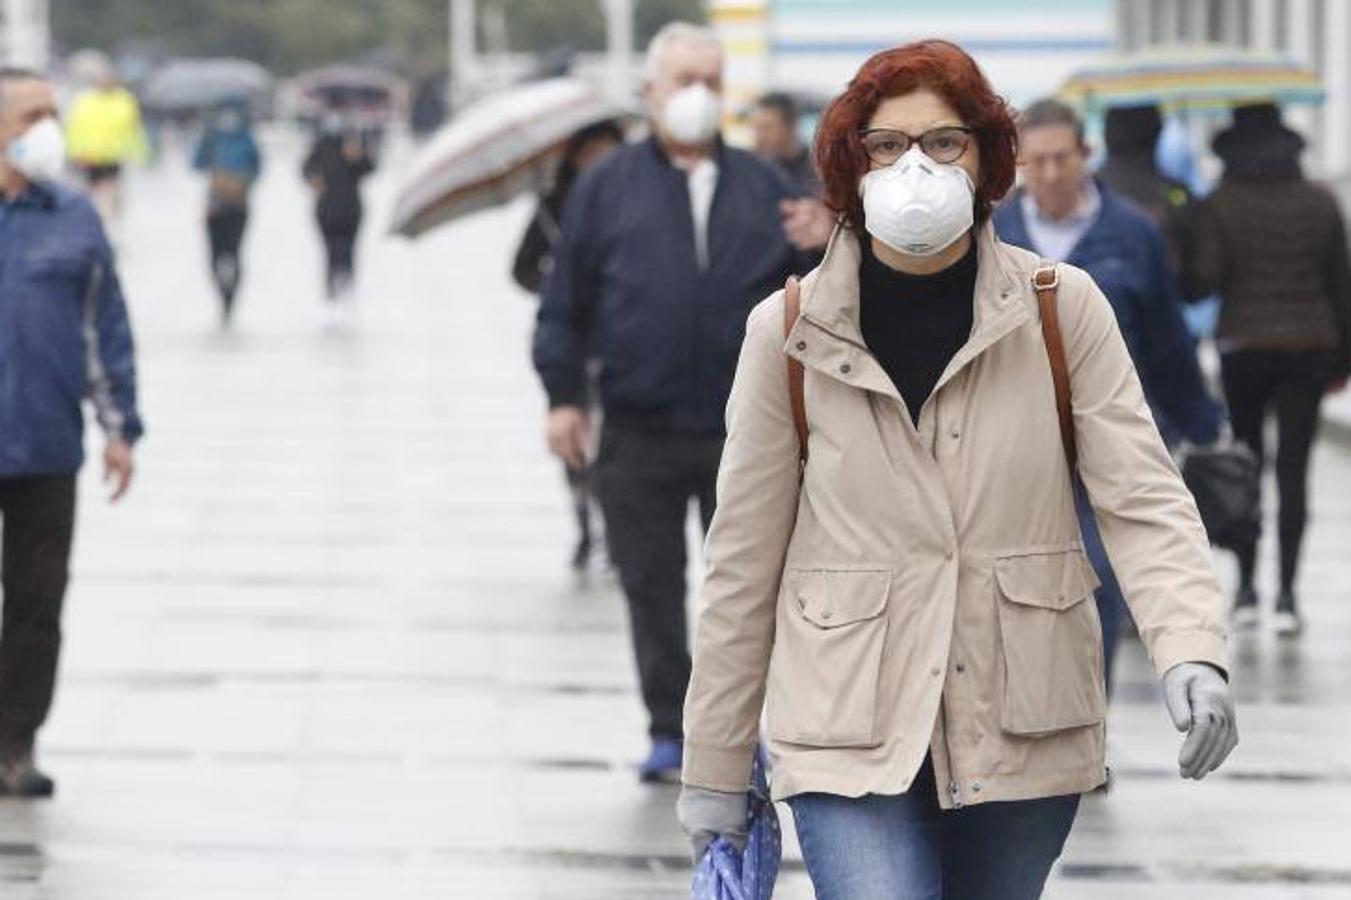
{"x": 667, "y": 244}
{"x": 64, "y": 338}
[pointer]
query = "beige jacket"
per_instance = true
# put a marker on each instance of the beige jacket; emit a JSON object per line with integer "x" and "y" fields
{"x": 925, "y": 590}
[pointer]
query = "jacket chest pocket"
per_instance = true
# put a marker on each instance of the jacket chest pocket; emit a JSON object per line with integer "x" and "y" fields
{"x": 827, "y": 657}
{"x": 1052, "y": 640}
{"x": 64, "y": 276}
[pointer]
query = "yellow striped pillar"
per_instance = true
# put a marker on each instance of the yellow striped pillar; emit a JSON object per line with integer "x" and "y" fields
{"x": 743, "y": 26}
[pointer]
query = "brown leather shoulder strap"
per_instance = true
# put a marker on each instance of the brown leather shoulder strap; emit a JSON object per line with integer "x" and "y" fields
{"x": 792, "y": 308}
{"x": 1046, "y": 281}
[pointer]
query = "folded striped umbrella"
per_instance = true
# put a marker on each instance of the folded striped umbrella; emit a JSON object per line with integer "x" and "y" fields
{"x": 495, "y": 149}
{"x": 1193, "y": 78}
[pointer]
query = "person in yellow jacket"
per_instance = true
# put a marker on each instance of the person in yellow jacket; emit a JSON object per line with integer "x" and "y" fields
{"x": 103, "y": 133}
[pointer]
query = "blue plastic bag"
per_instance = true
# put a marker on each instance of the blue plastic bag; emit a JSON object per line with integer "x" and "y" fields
{"x": 726, "y": 873}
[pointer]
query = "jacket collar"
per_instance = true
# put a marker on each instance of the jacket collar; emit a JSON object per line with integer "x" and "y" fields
{"x": 38, "y": 195}
{"x": 827, "y": 336}
{"x": 655, "y": 146}
{"x": 1013, "y": 222}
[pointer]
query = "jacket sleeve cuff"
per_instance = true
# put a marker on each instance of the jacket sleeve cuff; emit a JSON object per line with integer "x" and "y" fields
{"x": 565, "y": 391}
{"x": 566, "y": 398}
{"x": 1193, "y": 645}
{"x": 726, "y": 769}
{"x": 132, "y": 430}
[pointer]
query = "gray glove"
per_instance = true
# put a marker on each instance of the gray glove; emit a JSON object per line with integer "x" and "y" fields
{"x": 705, "y": 815}
{"x": 1198, "y": 699}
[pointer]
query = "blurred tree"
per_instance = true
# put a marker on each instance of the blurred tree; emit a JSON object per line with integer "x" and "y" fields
{"x": 289, "y": 35}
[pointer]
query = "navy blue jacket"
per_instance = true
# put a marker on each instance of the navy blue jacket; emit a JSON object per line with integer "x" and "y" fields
{"x": 1127, "y": 256}
{"x": 64, "y": 333}
{"x": 626, "y": 288}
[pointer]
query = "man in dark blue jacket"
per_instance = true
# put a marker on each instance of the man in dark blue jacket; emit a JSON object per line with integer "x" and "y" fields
{"x": 667, "y": 244}
{"x": 64, "y": 337}
{"x": 1064, "y": 214}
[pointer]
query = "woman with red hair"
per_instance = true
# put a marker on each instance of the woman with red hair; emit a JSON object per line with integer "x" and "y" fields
{"x": 896, "y": 574}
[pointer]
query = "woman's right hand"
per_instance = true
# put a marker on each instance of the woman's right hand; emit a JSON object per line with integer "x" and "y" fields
{"x": 705, "y": 815}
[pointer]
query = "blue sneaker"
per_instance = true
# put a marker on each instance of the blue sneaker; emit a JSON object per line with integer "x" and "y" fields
{"x": 662, "y": 765}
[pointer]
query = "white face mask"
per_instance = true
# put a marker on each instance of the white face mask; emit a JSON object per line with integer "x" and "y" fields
{"x": 918, "y": 206}
{"x": 39, "y": 154}
{"x": 691, "y": 115}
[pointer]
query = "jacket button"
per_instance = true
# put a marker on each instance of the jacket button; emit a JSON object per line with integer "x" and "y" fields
{"x": 846, "y": 368}
{"x": 975, "y": 788}
{"x": 825, "y": 614}
{"x": 961, "y": 667}
{"x": 956, "y": 434}
{"x": 935, "y": 671}
{"x": 802, "y": 345}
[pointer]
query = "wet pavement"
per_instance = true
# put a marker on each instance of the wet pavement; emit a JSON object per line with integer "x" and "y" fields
{"x": 330, "y": 647}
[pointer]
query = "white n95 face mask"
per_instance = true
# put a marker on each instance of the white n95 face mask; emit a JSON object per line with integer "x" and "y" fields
{"x": 691, "y": 114}
{"x": 918, "y": 206}
{"x": 39, "y": 154}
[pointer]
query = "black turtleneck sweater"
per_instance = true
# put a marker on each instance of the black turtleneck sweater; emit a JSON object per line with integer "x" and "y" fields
{"x": 915, "y": 324}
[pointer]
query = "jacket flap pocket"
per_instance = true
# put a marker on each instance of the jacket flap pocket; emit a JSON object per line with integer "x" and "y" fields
{"x": 56, "y": 266}
{"x": 829, "y": 598}
{"x": 1055, "y": 580}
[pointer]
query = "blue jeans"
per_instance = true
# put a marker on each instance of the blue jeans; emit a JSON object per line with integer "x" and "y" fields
{"x": 905, "y": 847}
{"x": 1111, "y": 604}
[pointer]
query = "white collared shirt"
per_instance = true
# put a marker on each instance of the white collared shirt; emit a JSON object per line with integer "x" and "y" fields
{"x": 1054, "y": 239}
{"x": 703, "y": 181}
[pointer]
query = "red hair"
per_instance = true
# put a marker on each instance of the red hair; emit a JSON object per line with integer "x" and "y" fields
{"x": 949, "y": 72}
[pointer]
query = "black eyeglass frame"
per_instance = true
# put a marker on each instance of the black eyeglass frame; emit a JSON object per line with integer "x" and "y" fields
{"x": 912, "y": 140}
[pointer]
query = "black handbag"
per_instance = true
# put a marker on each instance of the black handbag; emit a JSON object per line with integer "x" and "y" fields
{"x": 1227, "y": 484}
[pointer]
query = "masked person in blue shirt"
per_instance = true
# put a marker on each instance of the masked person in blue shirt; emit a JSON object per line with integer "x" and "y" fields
{"x": 64, "y": 338}
{"x": 228, "y": 155}
{"x": 1063, "y": 214}
{"x": 666, "y": 246}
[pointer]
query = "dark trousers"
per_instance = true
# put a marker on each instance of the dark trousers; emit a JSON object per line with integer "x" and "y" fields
{"x": 1111, "y": 603}
{"x": 1292, "y": 384}
{"x": 339, "y": 247}
{"x": 38, "y": 515}
{"x": 225, "y": 231}
{"x": 646, "y": 480}
{"x": 581, "y": 490}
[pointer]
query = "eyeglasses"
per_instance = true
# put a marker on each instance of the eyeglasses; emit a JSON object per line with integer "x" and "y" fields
{"x": 943, "y": 145}
{"x": 1062, "y": 160}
